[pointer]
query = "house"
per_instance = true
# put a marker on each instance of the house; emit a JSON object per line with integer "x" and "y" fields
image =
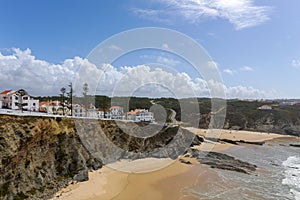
{"x": 11, "y": 100}
{"x": 92, "y": 112}
{"x": 30, "y": 103}
{"x": 52, "y": 107}
{"x": 287, "y": 103}
{"x": 115, "y": 112}
{"x": 78, "y": 110}
{"x": 81, "y": 111}
{"x": 0, "y": 104}
{"x": 103, "y": 113}
{"x": 265, "y": 107}
{"x": 140, "y": 115}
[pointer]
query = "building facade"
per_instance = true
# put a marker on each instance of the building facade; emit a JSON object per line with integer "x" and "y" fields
{"x": 140, "y": 115}
{"x": 116, "y": 112}
{"x": 11, "y": 100}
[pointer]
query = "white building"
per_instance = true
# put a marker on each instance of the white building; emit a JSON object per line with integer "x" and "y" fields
{"x": 30, "y": 103}
{"x": 91, "y": 112}
{"x": 115, "y": 112}
{"x": 0, "y": 104}
{"x": 78, "y": 110}
{"x": 265, "y": 107}
{"x": 52, "y": 107}
{"x": 11, "y": 100}
{"x": 140, "y": 115}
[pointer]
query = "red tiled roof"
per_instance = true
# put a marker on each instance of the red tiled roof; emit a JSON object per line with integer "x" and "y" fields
{"x": 115, "y": 107}
{"x": 44, "y": 103}
{"x": 7, "y": 91}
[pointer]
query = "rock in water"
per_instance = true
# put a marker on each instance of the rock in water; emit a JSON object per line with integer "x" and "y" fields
{"x": 222, "y": 161}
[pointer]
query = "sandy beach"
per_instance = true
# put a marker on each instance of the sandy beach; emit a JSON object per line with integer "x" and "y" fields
{"x": 141, "y": 179}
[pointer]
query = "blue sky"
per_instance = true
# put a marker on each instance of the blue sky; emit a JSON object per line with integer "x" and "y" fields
{"x": 254, "y": 43}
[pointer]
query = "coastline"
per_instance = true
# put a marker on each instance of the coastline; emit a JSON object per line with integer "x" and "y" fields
{"x": 166, "y": 183}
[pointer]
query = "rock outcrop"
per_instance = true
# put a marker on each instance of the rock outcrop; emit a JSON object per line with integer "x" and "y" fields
{"x": 295, "y": 145}
{"x": 221, "y": 161}
{"x": 237, "y": 142}
{"x": 39, "y": 155}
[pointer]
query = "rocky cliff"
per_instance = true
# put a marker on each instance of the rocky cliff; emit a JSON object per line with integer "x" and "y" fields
{"x": 39, "y": 155}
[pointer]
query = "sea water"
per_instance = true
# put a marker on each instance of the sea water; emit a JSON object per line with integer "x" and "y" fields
{"x": 277, "y": 176}
{"x": 292, "y": 175}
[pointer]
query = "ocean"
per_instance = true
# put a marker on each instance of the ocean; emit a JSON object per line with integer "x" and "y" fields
{"x": 277, "y": 176}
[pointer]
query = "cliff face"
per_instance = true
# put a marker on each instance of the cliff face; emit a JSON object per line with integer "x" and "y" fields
{"x": 267, "y": 123}
{"x": 263, "y": 121}
{"x": 39, "y": 155}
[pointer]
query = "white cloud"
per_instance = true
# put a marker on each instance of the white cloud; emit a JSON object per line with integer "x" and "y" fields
{"x": 165, "y": 46}
{"x": 212, "y": 65}
{"x": 246, "y": 68}
{"x": 167, "y": 61}
{"x": 115, "y": 47}
{"x": 233, "y": 71}
{"x": 248, "y": 93}
{"x": 22, "y": 70}
{"x": 229, "y": 71}
{"x": 241, "y": 13}
{"x": 295, "y": 63}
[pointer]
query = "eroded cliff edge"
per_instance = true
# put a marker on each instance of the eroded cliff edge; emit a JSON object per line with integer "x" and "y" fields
{"x": 39, "y": 155}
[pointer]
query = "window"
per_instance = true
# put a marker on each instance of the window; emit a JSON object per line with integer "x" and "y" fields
{"x": 25, "y": 98}
{"x": 33, "y": 104}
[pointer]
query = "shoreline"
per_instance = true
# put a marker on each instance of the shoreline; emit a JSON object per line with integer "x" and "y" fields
{"x": 165, "y": 183}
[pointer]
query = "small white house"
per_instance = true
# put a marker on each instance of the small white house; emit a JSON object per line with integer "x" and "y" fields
{"x": 12, "y": 101}
{"x": 9, "y": 99}
{"x": 265, "y": 107}
{"x": 30, "y": 103}
{"x": 140, "y": 115}
{"x": 81, "y": 111}
{"x": 115, "y": 112}
{"x": 52, "y": 107}
{"x": 78, "y": 110}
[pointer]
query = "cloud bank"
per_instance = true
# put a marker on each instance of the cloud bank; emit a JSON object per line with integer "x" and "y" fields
{"x": 21, "y": 69}
{"x": 240, "y": 13}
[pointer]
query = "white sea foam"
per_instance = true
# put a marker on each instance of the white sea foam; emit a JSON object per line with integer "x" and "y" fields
{"x": 292, "y": 175}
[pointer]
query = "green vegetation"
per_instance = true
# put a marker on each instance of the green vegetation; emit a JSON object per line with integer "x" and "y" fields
{"x": 4, "y": 189}
{"x": 20, "y": 196}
